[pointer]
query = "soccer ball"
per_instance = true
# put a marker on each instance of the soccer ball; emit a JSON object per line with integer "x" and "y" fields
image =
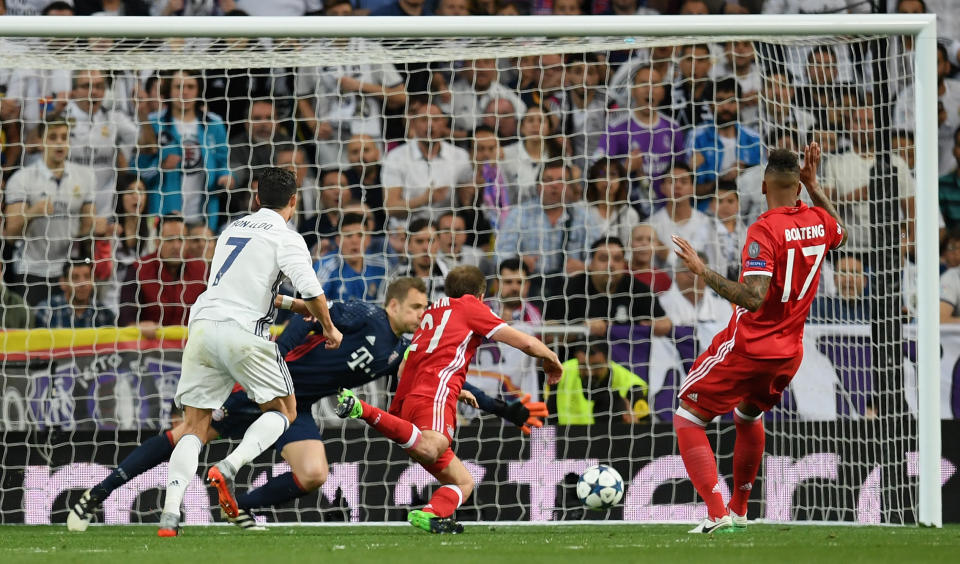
{"x": 600, "y": 487}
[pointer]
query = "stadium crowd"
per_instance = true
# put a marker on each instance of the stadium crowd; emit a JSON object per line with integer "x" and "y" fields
{"x": 562, "y": 177}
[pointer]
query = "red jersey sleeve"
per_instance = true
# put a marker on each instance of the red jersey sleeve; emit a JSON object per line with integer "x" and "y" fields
{"x": 758, "y": 252}
{"x": 831, "y": 227}
{"x": 480, "y": 319}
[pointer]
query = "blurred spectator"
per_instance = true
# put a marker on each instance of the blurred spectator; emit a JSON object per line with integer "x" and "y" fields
{"x": 502, "y": 117}
{"x": 694, "y": 8}
{"x": 777, "y": 110}
{"x": 606, "y": 294}
{"x": 643, "y": 245}
{"x": 363, "y": 155}
{"x": 336, "y": 102}
{"x": 847, "y": 177}
{"x": 351, "y": 273}
{"x": 251, "y": 150}
{"x": 722, "y": 147}
{"x": 323, "y": 229}
{"x": 75, "y": 307}
{"x": 200, "y": 244}
{"x": 188, "y": 7}
{"x": 421, "y": 249}
{"x": 567, "y": 8}
{"x": 646, "y": 141}
{"x": 293, "y": 158}
{"x": 950, "y": 187}
{"x": 738, "y": 63}
{"x": 38, "y": 7}
{"x": 551, "y": 234}
{"x": 474, "y": 88}
{"x": 10, "y": 141}
{"x": 400, "y": 8}
{"x": 275, "y": 7}
{"x": 488, "y": 178}
{"x": 689, "y": 96}
{"x": 470, "y": 206}
{"x": 660, "y": 58}
{"x": 161, "y": 286}
{"x": 948, "y": 94}
{"x": 608, "y": 199}
{"x": 950, "y": 295}
{"x": 452, "y": 8}
{"x": 522, "y": 160}
{"x": 690, "y": 303}
{"x": 421, "y": 175}
{"x": 539, "y": 78}
{"x": 950, "y": 251}
{"x": 115, "y": 8}
{"x": 851, "y": 304}
{"x": 731, "y": 231}
{"x": 510, "y": 300}
{"x": 451, "y": 233}
{"x": 39, "y": 95}
{"x": 49, "y": 205}
{"x": 99, "y": 139}
{"x": 580, "y": 111}
{"x": 134, "y": 235}
{"x": 14, "y": 313}
{"x": 814, "y": 7}
{"x": 184, "y": 160}
{"x": 339, "y": 8}
{"x": 680, "y": 217}
{"x": 596, "y": 390}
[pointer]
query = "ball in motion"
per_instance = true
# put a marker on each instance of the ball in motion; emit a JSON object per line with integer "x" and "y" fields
{"x": 600, "y": 487}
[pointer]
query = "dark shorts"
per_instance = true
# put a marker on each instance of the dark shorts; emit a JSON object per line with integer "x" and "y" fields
{"x": 239, "y": 412}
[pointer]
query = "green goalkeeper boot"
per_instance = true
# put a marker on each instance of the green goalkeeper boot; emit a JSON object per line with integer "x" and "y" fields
{"x": 433, "y": 524}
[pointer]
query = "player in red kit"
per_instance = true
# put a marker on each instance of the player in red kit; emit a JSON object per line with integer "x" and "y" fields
{"x": 749, "y": 364}
{"x": 423, "y": 415}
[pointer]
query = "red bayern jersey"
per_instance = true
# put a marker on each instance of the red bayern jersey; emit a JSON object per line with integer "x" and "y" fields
{"x": 788, "y": 244}
{"x": 443, "y": 346}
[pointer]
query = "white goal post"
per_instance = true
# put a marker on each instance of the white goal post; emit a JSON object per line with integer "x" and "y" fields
{"x": 553, "y": 34}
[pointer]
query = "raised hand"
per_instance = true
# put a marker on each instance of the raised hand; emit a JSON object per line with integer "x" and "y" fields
{"x": 811, "y": 161}
{"x": 688, "y": 255}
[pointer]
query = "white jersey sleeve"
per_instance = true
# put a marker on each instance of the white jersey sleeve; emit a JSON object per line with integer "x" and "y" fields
{"x": 293, "y": 258}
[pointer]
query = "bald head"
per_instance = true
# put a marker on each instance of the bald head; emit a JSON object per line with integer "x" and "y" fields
{"x": 783, "y": 170}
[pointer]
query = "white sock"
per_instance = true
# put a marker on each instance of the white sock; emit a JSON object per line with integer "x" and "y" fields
{"x": 264, "y": 432}
{"x": 182, "y": 469}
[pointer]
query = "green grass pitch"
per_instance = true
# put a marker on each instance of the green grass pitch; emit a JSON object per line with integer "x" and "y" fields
{"x": 496, "y": 544}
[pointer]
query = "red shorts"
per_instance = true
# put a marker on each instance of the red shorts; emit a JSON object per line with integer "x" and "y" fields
{"x": 721, "y": 378}
{"x": 426, "y": 414}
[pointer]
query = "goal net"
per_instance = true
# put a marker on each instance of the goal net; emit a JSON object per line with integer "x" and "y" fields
{"x": 562, "y": 162}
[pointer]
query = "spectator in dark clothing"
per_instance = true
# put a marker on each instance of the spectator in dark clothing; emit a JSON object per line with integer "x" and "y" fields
{"x": 851, "y": 304}
{"x": 76, "y": 307}
{"x": 605, "y": 294}
{"x": 161, "y": 286}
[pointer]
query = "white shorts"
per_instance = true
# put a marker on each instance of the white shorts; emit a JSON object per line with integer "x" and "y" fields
{"x": 221, "y": 353}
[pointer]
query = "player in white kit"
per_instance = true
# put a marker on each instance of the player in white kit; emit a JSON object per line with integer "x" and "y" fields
{"x": 229, "y": 340}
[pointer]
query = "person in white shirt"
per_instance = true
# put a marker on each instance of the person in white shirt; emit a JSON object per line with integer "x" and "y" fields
{"x": 99, "y": 139}
{"x": 340, "y": 101}
{"x": 522, "y": 160}
{"x": 950, "y": 296}
{"x": 49, "y": 205}
{"x": 420, "y": 176}
{"x": 476, "y": 86}
{"x": 680, "y": 217}
{"x": 847, "y": 177}
{"x": 690, "y": 303}
{"x": 230, "y": 343}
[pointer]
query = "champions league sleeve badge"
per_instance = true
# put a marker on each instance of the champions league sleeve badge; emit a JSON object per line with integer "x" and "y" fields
{"x": 754, "y": 249}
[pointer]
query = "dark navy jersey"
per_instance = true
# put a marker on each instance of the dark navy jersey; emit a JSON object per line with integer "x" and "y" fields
{"x": 369, "y": 350}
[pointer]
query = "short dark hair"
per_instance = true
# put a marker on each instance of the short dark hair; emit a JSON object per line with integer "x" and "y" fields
{"x": 399, "y": 288}
{"x": 465, "y": 280}
{"x": 783, "y": 161}
{"x": 728, "y": 84}
{"x": 514, "y": 263}
{"x": 74, "y": 263}
{"x": 350, "y": 218}
{"x": 821, "y": 50}
{"x": 56, "y": 6}
{"x": 418, "y": 225}
{"x": 173, "y": 217}
{"x": 727, "y": 186}
{"x": 330, "y": 4}
{"x": 551, "y": 164}
{"x": 324, "y": 172}
{"x": 46, "y": 125}
{"x": 482, "y": 128}
{"x": 594, "y": 346}
{"x": 604, "y": 241}
{"x": 276, "y": 187}
{"x": 681, "y": 164}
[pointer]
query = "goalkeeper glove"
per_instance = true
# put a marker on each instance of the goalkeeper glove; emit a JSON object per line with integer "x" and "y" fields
{"x": 525, "y": 413}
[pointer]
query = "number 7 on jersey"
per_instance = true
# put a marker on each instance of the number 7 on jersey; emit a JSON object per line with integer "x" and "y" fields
{"x": 238, "y": 243}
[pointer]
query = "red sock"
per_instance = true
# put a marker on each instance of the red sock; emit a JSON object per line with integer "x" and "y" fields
{"x": 747, "y": 454}
{"x": 392, "y": 427}
{"x": 445, "y": 501}
{"x": 701, "y": 466}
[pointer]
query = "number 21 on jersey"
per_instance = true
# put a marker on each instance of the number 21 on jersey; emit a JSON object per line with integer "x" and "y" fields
{"x": 814, "y": 251}
{"x": 426, "y": 324}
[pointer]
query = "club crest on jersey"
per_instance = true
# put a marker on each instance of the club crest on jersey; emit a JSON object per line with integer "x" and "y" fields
{"x": 754, "y": 249}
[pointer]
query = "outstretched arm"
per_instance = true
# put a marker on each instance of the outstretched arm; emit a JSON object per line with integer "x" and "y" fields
{"x": 808, "y": 176}
{"x": 523, "y": 413}
{"x": 533, "y": 347}
{"x": 749, "y": 294}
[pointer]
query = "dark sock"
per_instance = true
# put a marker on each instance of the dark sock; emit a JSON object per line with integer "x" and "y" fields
{"x": 276, "y": 491}
{"x": 151, "y": 453}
